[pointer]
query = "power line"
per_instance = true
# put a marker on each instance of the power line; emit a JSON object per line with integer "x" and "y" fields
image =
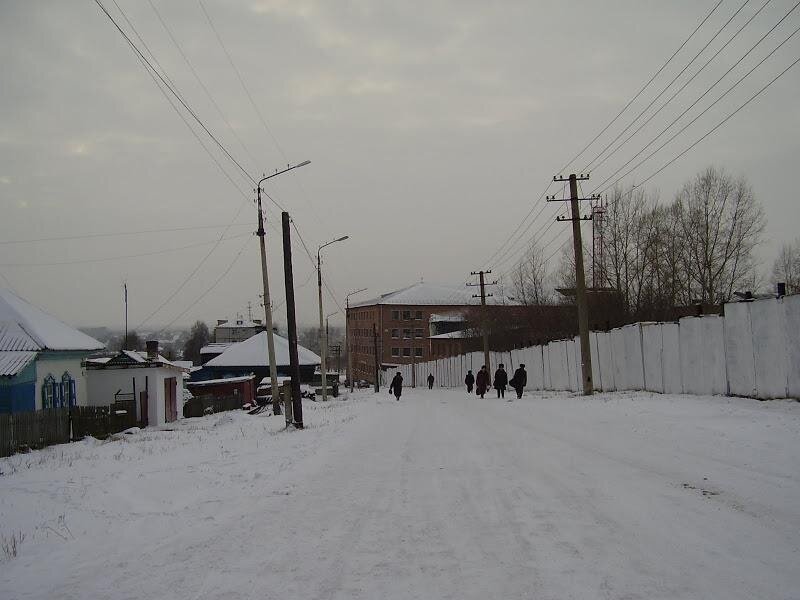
{"x": 717, "y": 126}
{"x": 709, "y": 107}
{"x": 174, "y": 92}
{"x": 200, "y": 82}
{"x": 596, "y": 137}
{"x": 118, "y": 233}
{"x": 683, "y": 87}
{"x": 113, "y": 258}
{"x": 666, "y": 87}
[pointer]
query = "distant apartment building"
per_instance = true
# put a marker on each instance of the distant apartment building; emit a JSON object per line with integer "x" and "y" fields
{"x": 404, "y": 321}
{"x": 237, "y": 330}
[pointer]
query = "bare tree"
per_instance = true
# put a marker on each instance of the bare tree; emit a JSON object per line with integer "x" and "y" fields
{"x": 787, "y": 267}
{"x": 530, "y": 279}
{"x": 199, "y": 336}
{"x": 720, "y": 223}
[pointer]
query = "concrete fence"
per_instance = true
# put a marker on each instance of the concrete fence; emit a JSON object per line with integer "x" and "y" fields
{"x": 753, "y": 350}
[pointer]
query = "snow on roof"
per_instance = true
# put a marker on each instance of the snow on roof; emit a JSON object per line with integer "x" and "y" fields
{"x": 253, "y": 353}
{"x": 239, "y": 323}
{"x": 42, "y": 329}
{"x": 13, "y": 361}
{"x": 184, "y": 364}
{"x": 268, "y": 380}
{"x": 453, "y": 335}
{"x": 215, "y": 347}
{"x": 447, "y": 318}
{"x": 125, "y": 358}
{"x": 428, "y": 294}
{"x": 223, "y": 380}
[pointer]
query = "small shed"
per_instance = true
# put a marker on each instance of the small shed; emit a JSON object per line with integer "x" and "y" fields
{"x": 243, "y": 386}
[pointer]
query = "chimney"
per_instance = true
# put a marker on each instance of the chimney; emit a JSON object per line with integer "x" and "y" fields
{"x": 152, "y": 349}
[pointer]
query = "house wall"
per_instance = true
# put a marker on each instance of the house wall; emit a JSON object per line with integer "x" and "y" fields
{"x": 17, "y": 394}
{"x": 104, "y": 383}
{"x": 55, "y": 363}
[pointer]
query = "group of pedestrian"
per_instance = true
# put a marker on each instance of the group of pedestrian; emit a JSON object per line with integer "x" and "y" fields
{"x": 481, "y": 382}
{"x": 500, "y": 383}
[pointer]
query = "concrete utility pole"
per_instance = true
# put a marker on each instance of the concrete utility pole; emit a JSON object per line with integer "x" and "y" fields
{"x": 347, "y": 336}
{"x": 580, "y": 277}
{"x": 291, "y": 322}
{"x": 273, "y": 369}
{"x": 323, "y": 338}
{"x": 484, "y": 326}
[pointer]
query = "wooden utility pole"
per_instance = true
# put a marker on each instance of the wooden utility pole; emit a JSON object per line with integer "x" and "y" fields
{"x": 375, "y": 352}
{"x": 580, "y": 277}
{"x": 484, "y": 325}
{"x": 291, "y": 322}
{"x": 273, "y": 369}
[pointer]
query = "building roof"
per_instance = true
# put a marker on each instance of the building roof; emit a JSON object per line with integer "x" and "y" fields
{"x": 239, "y": 323}
{"x": 218, "y": 381}
{"x": 43, "y": 331}
{"x": 453, "y": 335}
{"x": 428, "y": 294}
{"x": 253, "y": 353}
{"x": 14, "y": 361}
{"x": 215, "y": 347}
{"x": 128, "y": 358}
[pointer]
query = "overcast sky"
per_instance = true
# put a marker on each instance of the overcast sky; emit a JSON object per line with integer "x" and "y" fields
{"x": 432, "y": 128}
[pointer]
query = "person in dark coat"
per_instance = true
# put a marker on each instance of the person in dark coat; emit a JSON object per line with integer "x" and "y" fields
{"x": 519, "y": 380}
{"x": 500, "y": 381}
{"x": 430, "y": 381}
{"x": 397, "y": 385}
{"x": 482, "y": 381}
{"x": 470, "y": 381}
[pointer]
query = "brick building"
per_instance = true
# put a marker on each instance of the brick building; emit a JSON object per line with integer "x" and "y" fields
{"x": 403, "y": 320}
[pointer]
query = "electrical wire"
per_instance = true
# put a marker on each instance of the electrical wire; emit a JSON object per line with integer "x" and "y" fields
{"x": 113, "y": 258}
{"x": 118, "y": 233}
{"x": 694, "y": 120}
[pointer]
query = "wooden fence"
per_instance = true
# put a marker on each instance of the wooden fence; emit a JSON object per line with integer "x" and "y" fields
{"x": 20, "y": 432}
{"x": 197, "y": 407}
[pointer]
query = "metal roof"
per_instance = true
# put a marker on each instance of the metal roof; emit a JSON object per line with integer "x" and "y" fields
{"x": 14, "y": 361}
{"x": 13, "y": 337}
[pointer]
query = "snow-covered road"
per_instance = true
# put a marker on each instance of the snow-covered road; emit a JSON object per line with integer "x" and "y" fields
{"x": 439, "y": 495}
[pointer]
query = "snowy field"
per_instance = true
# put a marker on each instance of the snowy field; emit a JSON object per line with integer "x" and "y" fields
{"x": 440, "y": 495}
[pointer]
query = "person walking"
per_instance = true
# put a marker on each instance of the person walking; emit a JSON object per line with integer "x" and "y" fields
{"x": 482, "y": 381}
{"x": 500, "y": 381}
{"x": 430, "y": 381}
{"x": 397, "y": 385}
{"x": 519, "y": 380}
{"x": 470, "y": 381}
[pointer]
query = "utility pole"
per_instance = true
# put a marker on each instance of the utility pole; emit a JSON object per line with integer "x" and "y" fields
{"x": 484, "y": 326}
{"x": 291, "y": 322}
{"x": 125, "y": 339}
{"x": 375, "y": 354}
{"x": 598, "y": 243}
{"x": 580, "y": 277}
{"x": 273, "y": 369}
{"x": 323, "y": 338}
{"x": 347, "y": 334}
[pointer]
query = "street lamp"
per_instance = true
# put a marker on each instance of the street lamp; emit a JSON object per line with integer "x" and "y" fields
{"x": 322, "y": 334}
{"x": 273, "y": 369}
{"x": 347, "y": 335}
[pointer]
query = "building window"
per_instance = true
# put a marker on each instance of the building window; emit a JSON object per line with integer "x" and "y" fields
{"x": 395, "y": 315}
{"x": 395, "y": 351}
{"x": 418, "y": 315}
{"x": 395, "y": 334}
{"x": 418, "y": 333}
{"x": 406, "y": 315}
{"x": 67, "y": 390}
{"x": 406, "y": 351}
{"x": 418, "y": 352}
{"x": 406, "y": 334}
{"x": 49, "y": 388}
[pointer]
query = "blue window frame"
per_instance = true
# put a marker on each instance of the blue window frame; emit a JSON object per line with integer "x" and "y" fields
{"x": 49, "y": 392}
{"x": 67, "y": 390}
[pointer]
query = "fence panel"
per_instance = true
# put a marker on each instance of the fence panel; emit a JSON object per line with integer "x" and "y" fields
{"x": 652, "y": 348}
{"x": 671, "y": 358}
{"x": 739, "y": 358}
{"x": 791, "y": 314}
{"x": 606, "y": 362}
{"x": 769, "y": 348}
{"x": 90, "y": 421}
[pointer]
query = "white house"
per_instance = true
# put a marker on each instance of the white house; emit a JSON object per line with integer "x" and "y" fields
{"x": 40, "y": 358}
{"x": 155, "y": 383}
